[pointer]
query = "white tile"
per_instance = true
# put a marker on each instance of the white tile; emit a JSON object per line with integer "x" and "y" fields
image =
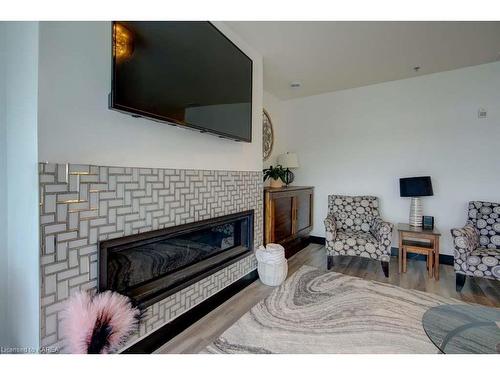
{"x": 92, "y": 249}
{"x": 77, "y": 243}
{"x": 112, "y": 215}
{"x": 84, "y": 189}
{"x": 84, "y": 228}
{"x": 56, "y": 267}
{"x": 84, "y": 264}
{"x": 94, "y": 200}
{"x": 66, "y": 236}
{"x": 59, "y": 188}
{"x": 93, "y": 235}
{"x": 72, "y": 272}
{"x": 62, "y": 290}
{"x": 79, "y": 168}
{"x": 116, "y": 170}
{"x": 47, "y": 178}
{"x": 90, "y": 214}
{"x": 93, "y": 270}
{"x": 49, "y": 203}
{"x": 49, "y": 244}
{"x": 47, "y": 300}
{"x": 73, "y": 258}
{"x": 50, "y": 167}
{"x": 47, "y": 219}
{"x": 103, "y": 174}
{"x": 73, "y": 220}
{"x": 103, "y": 208}
{"x": 86, "y": 179}
{"x": 56, "y": 307}
{"x": 62, "y": 211}
{"x": 79, "y": 206}
{"x": 98, "y": 222}
{"x": 47, "y": 259}
{"x": 63, "y": 197}
{"x": 111, "y": 184}
{"x": 107, "y": 229}
{"x": 50, "y": 284}
{"x": 79, "y": 280}
{"x": 74, "y": 182}
{"x": 62, "y": 251}
{"x": 54, "y": 228}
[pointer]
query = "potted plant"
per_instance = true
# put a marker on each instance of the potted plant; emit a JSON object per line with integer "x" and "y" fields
{"x": 276, "y": 174}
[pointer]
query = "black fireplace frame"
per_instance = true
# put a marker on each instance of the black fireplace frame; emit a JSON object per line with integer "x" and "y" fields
{"x": 196, "y": 272}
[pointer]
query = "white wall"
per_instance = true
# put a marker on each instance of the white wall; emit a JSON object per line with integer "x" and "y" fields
{"x": 4, "y": 340}
{"x": 360, "y": 141}
{"x": 21, "y": 100}
{"x": 75, "y": 124}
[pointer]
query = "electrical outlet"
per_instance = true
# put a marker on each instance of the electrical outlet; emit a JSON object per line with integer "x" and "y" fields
{"x": 482, "y": 113}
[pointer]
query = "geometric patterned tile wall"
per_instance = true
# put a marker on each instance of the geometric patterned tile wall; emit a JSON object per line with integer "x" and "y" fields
{"x": 81, "y": 205}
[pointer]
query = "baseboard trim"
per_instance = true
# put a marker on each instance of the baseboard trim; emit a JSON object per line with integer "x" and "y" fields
{"x": 167, "y": 332}
{"x": 443, "y": 258}
{"x": 317, "y": 239}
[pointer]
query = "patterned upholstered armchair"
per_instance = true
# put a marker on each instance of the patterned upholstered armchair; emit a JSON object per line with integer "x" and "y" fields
{"x": 477, "y": 244}
{"x": 354, "y": 227}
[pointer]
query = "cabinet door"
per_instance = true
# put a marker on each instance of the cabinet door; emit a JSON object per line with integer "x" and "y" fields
{"x": 304, "y": 209}
{"x": 283, "y": 218}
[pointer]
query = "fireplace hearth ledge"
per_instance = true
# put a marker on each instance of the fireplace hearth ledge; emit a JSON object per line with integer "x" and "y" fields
{"x": 160, "y": 336}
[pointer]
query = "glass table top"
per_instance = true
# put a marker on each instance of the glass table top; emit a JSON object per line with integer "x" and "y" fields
{"x": 461, "y": 329}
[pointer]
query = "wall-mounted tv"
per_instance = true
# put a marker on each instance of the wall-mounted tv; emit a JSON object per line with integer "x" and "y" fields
{"x": 183, "y": 73}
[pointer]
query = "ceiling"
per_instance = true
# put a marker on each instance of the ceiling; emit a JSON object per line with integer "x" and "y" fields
{"x": 328, "y": 56}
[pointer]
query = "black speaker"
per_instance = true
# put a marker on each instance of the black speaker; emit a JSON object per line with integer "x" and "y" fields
{"x": 428, "y": 222}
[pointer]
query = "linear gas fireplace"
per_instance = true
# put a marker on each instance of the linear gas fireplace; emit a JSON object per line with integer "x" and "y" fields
{"x": 150, "y": 266}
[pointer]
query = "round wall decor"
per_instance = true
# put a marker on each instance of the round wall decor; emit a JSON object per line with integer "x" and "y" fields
{"x": 267, "y": 135}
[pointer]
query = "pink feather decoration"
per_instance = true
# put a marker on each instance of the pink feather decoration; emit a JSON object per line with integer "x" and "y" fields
{"x": 98, "y": 323}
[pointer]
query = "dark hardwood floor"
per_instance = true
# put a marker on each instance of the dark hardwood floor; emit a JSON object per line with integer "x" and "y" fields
{"x": 204, "y": 331}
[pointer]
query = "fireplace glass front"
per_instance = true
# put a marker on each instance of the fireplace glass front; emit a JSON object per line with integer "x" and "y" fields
{"x": 149, "y": 266}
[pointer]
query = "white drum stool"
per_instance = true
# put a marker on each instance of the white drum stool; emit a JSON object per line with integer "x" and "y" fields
{"x": 272, "y": 264}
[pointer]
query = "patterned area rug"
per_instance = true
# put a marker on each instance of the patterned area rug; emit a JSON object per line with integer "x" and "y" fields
{"x": 328, "y": 312}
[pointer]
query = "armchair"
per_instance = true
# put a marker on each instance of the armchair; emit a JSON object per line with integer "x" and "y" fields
{"x": 477, "y": 244}
{"x": 354, "y": 227}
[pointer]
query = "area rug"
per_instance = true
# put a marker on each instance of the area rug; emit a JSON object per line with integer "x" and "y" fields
{"x": 328, "y": 312}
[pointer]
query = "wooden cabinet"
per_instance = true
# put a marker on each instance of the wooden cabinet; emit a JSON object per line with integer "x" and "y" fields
{"x": 288, "y": 216}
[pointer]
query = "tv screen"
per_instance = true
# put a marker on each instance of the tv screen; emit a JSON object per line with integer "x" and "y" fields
{"x": 415, "y": 186}
{"x": 182, "y": 73}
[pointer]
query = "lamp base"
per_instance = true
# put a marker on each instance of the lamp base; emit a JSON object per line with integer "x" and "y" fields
{"x": 289, "y": 177}
{"x": 416, "y": 212}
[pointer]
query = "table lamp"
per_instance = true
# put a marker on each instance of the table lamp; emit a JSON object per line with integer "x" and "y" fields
{"x": 288, "y": 161}
{"x": 414, "y": 188}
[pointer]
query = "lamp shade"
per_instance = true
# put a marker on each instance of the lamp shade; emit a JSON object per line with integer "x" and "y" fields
{"x": 415, "y": 186}
{"x": 288, "y": 160}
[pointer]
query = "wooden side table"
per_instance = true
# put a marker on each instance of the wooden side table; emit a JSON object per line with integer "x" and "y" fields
{"x": 420, "y": 241}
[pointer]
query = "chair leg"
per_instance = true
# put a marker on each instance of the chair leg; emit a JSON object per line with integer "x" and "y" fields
{"x": 329, "y": 262}
{"x": 460, "y": 281}
{"x": 385, "y": 268}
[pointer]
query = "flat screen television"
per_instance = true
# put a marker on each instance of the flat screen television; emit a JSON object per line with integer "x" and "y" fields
{"x": 184, "y": 73}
